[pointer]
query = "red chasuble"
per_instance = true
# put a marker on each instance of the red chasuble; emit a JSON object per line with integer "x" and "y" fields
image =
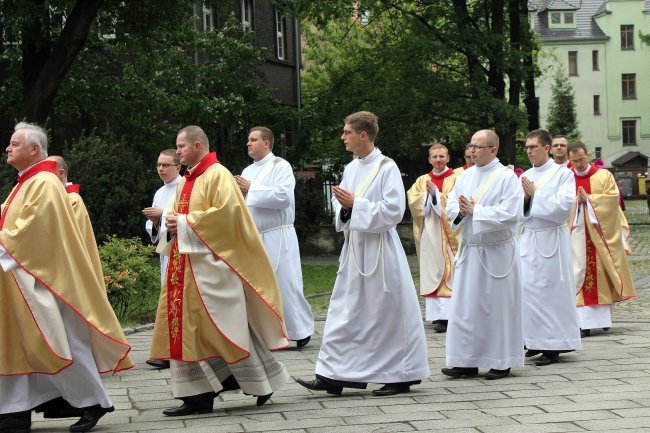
{"x": 73, "y": 187}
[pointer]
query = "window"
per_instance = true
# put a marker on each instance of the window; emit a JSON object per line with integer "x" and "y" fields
{"x": 568, "y": 17}
{"x": 573, "y": 63}
{"x": 629, "y": 132}
{"x": 594, "y": 60}
{"x": 280, "y": 32}
{"x": 208, "y": 20}
{"x": 596, "y": 105}
{"x": 598, "y": 152}
{"x": 627, "y": 37}
{"x": 247, "y": 15}
{"x": 629, "y": 86}
{"x": 556, "y": 18}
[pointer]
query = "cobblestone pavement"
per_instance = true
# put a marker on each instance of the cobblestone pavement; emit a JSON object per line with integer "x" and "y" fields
{"x": 604, "y": 387}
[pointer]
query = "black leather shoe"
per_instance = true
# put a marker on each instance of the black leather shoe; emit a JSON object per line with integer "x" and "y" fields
{"x": 303, "y": 342}
{"x": 392, "y": 389}
{"x": 319, "y": 385}
{"x": 58, "y": 408}
{"x": 531, "y": 352}
{"x": 440, "y": 326}
{"x": 547, "y": 359}
{"x": 497, "y": 374}
{"x": 585, "y": 333}
{"x": 261, "y": 399}
{"x": 158, "y": 363}
{"x": 458, "y": 372}
{"x": 605, "y": 329}
{"x": 17, "y": 422}
{"x": 90, "y": 418}
{"x": 188, "y": 409}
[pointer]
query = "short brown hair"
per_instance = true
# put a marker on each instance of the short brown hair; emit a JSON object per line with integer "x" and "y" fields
{"x": 172, "y": 153}
{"x": 542, "y": 135}
{"x": 364, "y": 121}
{"x": 438, "y": 146}
{"x": 195, "y": 133}
{"x": 265, "y": 133}
{"x": 577, "y": 145}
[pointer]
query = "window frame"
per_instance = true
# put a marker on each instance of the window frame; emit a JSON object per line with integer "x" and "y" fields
{"x": 597, "y": 105}
{"x": 628, "y": 86}
{"x": 631, "y": 125}
{"x": 247, "y": 21}
{"x": 207, "y": 12}
{"x": 280, "y": 21}
{"x": 595, "y": 64}
{"x": 573, "y": 72}
{"x": 627, "y": 37}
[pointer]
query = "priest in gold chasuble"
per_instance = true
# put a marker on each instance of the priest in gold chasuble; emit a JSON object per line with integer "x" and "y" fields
{"x": 57, "y": 328}
{"x": 602, "y": 273}
{"x": 220, "y": 310}
{"x": 435, "y": 242}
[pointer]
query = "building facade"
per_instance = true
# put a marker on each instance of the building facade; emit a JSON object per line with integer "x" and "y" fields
{"x": 597, "y": 44}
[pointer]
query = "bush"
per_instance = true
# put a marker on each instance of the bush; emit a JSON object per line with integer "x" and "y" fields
{"x": 310, "y": 207}
{"x": 132, "y": 277}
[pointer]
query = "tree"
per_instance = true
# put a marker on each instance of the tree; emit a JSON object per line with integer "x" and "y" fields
{"x": 431, "y": 70}
{"x": 562, "y": 118}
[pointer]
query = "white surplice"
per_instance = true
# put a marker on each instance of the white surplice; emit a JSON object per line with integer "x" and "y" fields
{"x": 271, "y": 202}
{"x": 550, "y": 316}
{"x": 164, "y": 199}
{"x": 485, "y": 313}
{"x": 374, "y": 331}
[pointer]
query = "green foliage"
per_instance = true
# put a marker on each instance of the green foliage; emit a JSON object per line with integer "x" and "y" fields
{"x": 562, "y": 118}
{"x": 132, "y": 278}
{"x": 115, "y": 184}
{"x": 310, "y": 207}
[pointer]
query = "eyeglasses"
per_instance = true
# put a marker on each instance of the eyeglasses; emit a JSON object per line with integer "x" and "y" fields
{"x": 166, "y": 165}
{"x": 475, "y": 146}
{"x": 578, "y": 161}
{"x": 532, "y": 147}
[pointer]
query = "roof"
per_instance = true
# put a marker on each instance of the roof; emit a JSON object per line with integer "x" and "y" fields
{"x": 647, "y": 6}
{"x": 624, "y": 159}
{"x": 586, "y": 28}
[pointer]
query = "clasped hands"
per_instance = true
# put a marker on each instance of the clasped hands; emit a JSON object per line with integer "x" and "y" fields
{"x": 345, "y": 198}
{"x": 465, "y": 205}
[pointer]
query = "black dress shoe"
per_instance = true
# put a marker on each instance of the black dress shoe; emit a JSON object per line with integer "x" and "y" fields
{"x": 440, "y": 326}
{"x": 58, "y": 408}
{"x": 90, "y": 418}
{"x": 605, "y": 329}
{"x": 319, "y": 385}
{"x": 458, "y": 372}
{"x": 392, "y": 389}
{"x": 17, "y": 422}
{"x": 547, "y": 359}
{"x": 261, "y": 399}
{"x": 158, "y": 363}
{"x": 303, "y": 342}
{"x": 531, "y": 352}
{"x": 585, "y": 333}
{"x": 497, "y": 374}
{"x": 188, "y": 409}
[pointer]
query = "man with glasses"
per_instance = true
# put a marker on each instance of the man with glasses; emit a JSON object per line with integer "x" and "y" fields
{"x": 268, "y": 186}
{"x": 559, "y": 147}
{"x": 485, "y": 323}
{"x": 550, "y": 317}
{"x": 468, "y": 160}
{"x": 602, "y": 274}
{"x": 168, "y": 168}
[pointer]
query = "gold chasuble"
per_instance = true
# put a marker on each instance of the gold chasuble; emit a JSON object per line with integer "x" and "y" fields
{"x": 441, "y": 241}
{"x": 600, "y": 265}
{"x": 87, "y": 233}
{"x": 202, "y": 312}
{"x": 38, "y": 229}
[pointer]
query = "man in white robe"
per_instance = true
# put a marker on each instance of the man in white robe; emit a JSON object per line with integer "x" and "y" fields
{"x": 268, "y": 185}
{"x": 550, "y": 317}
{"x": 485, "y": 323}
{"x": 168, "y": 168}
{"x": 374, "y": 331}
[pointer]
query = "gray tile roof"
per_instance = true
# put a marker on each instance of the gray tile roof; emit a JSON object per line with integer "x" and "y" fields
{"x": 647, "y": 5}
{"x": 586, "y": 28}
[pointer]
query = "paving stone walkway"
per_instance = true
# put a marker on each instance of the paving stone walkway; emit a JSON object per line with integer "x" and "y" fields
{"x": 605, "y": 387}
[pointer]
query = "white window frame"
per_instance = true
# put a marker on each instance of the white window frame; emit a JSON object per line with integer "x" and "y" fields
{"x": 280, "y": 36}
{"x": 208, "y": 18}
{"x": 247, "y": 15}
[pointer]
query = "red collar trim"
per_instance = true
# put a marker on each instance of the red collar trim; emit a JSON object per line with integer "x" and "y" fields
{"x": 207, "y": 161}
{"x": 592, "y": 170}
{"x": 37, "y": 168}
{"x": 74, "y": 187}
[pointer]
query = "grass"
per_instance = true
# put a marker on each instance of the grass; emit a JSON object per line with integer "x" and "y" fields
{"x": 318, "y": 281}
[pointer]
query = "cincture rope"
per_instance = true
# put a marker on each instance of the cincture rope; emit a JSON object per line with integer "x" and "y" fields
{"x": 492, "y": 244}
{"x": 555, "y": 249}
{"x": 282, "y": 241}
{"x": 380, "y": 257}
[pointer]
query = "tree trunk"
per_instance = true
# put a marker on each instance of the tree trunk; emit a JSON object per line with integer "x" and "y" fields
{"x": 44, "y": 70}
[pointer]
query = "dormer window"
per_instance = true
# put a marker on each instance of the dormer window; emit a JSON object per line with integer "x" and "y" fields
{"x": 562, "y": 19}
